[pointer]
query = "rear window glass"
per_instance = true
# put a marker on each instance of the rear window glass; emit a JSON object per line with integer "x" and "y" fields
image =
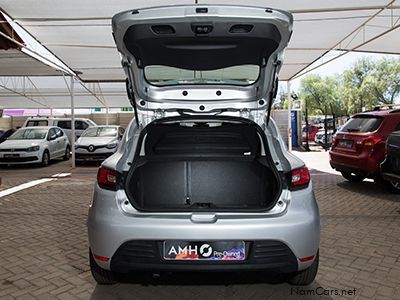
{"x": 37, "y": 123}
{"x": 235, "y": 75}
{"x": 362, "y": 124}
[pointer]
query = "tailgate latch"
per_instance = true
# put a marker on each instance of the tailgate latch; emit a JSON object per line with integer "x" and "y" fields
{"x": 203, "y": 218}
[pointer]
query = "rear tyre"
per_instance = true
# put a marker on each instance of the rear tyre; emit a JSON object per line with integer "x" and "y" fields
{"x": 352, "y": 178}
{"x": 99, "y": 274}
{"x": 307, "y": 276}
{"x": 45, "y": 159}
{"x": 67, "y": 153}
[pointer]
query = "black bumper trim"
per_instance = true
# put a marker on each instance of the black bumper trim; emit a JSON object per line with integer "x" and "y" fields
{"x": 18, "y": 159}
{"x": 92, "y": 156}
{"x": 263, "y": 255}
{"x": 391, "y": 176}
{"x": 343, "y": 168}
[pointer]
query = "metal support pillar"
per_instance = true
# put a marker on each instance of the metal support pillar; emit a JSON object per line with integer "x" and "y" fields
{"x": 289, "y": 99}
{"x": 72, "y": 123}
{"x": 107, "y": 112}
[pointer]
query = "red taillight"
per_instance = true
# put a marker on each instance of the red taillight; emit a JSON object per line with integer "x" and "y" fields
{"x": 100, "y": 258}
{"x": 308, "y": 258}
{"x": 300, "y": 178}
{"x": 372, "y": 141}
{"x": 107, "y": 178}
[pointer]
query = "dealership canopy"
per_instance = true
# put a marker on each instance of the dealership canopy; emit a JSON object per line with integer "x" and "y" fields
{"x": 78, "y": 33}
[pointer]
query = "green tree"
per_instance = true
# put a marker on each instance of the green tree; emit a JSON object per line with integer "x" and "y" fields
{"x": 321, "y": 94}
{"x": 281, "y": 98}
{"x": 369, "y": 83}
{"x": 383, "y": 83}
{"x": 354, "y": 86}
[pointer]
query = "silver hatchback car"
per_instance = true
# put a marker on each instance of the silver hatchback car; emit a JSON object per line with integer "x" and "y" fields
{"x": 202, "y": 180}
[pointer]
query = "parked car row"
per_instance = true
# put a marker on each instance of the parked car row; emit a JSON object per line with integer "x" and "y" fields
{"x": 312, "y": 133}
{"x": 365, "y": 142}
{"x": 40, "y": 141}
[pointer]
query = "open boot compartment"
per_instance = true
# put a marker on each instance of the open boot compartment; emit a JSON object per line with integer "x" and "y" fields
{"x": 202, "y": 167}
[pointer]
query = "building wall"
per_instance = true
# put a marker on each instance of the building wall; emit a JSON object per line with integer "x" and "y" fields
{"x": 5, "y": 123}
{"x": 280, "y": 116}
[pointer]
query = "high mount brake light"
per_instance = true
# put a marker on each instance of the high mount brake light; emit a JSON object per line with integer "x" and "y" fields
{"x": 107, "y": 178}
{"x": 300, "y": 178}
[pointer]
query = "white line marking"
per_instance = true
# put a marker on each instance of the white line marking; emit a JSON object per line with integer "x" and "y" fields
{"x": 24, "y": 186}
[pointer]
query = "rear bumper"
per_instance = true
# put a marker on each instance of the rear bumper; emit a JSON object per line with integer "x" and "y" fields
{"x": 391, "y": 177}
{"x": 349, "y": 169}
{"x": 92, "y": 156}
{"x": 110, "y": 227}
{"x": 147, "y": 255}
{"x": 19, "y": 160}
{"x": 364, "y": 165}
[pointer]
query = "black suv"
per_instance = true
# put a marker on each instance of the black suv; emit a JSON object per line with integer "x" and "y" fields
{"x": 390, "y": 167}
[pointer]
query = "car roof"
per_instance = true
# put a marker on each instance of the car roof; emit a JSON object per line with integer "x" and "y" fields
{"x": 55, "y": 118}
{"x": 38, "y": 127}
{"x": 380, "y": 113}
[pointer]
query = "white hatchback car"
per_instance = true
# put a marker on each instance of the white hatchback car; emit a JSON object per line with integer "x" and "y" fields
{"x": 98, "y": 142}
{"x": 35, "y": 145}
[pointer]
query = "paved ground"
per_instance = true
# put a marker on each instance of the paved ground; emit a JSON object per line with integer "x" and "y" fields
{"x": 43, "y": 244}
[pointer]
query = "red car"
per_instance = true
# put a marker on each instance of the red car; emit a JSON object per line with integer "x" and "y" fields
{"x": 359, "y": 148}
{"x": 312, "y": 131}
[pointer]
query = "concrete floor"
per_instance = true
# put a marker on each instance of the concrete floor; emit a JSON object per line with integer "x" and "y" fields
{"x": 44, "y": 250}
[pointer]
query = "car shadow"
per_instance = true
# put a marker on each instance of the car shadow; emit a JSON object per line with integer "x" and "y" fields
{"x": 202, "y": 285}
{"x": 369, "y": 188}
{"x": 88, "y": 164}
{"x": 29, "y": 166}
